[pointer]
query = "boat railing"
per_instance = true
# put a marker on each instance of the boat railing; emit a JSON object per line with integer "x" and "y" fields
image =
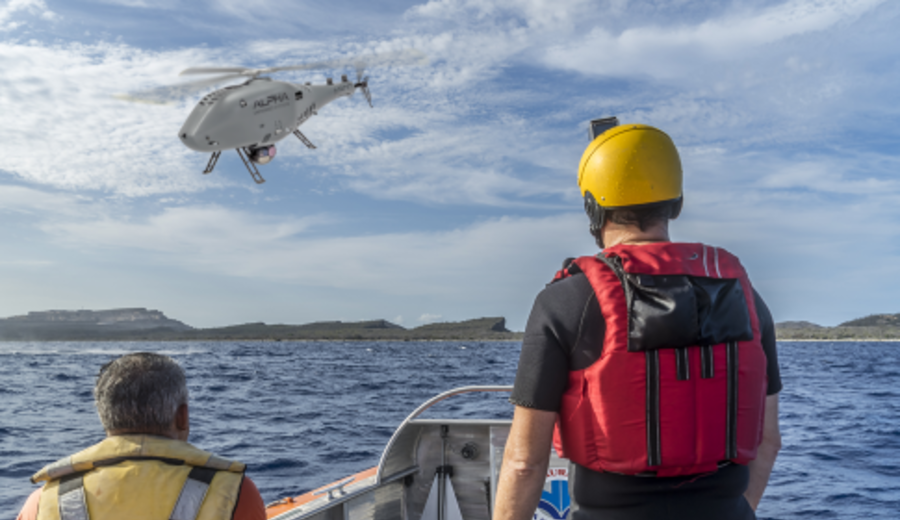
{"x": 380, "y": 476}
{"x": 337, "y": 486}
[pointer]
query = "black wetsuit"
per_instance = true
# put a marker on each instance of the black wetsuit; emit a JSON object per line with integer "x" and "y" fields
{"x": 565, "y": 332}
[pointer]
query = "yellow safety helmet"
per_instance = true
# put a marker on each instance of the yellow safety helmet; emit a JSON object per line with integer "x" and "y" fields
{"x": 629, "y": 165}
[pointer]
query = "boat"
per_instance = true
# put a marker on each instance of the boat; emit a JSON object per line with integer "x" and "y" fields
{"x": 430, "y": 469}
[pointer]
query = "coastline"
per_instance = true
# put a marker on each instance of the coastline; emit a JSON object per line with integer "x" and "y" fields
{"x": 89, "y": 330}
{"x": 842, "y": 340}
{"x": 268, "y": 340}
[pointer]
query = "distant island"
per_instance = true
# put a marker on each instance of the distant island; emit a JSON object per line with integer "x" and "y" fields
{"x": 139, "y": 324}
{"x": 873, "y": 327}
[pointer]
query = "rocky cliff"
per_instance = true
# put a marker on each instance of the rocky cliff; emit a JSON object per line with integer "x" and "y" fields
{"x": 83, "y": 324}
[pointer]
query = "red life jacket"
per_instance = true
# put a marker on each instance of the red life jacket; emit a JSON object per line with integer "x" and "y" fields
{"x": 680, "y": 385}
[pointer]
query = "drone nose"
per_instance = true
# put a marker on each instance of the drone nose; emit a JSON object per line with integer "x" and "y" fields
{"x": 192, "y": 142}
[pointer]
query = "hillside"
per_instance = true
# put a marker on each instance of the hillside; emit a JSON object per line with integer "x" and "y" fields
{"x": 874, "y": 320}
{"x": 86, "y": 324}
{"x": 876, "y": 327}
{"x": 140, "y": 324}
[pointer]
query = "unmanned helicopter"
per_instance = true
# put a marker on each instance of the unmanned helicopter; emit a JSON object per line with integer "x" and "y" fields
{"x": 252, "y": 116}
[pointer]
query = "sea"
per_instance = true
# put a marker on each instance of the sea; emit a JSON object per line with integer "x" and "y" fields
{"x": 302, "y": 414}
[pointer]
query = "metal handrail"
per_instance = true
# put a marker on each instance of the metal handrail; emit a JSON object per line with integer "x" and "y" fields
{"x": 337, "y": 486}
{"x": 426, "y": 405}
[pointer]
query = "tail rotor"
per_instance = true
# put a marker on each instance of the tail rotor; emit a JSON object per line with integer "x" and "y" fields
{"x": 362, "y": 83}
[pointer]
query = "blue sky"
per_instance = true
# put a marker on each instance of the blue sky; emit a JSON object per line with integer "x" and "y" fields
{"x": 455, "y": 197}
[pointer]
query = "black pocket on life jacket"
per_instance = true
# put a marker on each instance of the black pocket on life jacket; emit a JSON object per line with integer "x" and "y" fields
{"x": 722, "y": 311}
{"x": 662, "y": 312}
{"x": 667, "y": 311}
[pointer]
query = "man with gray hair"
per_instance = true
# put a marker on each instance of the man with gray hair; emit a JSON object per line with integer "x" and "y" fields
{"x": 144, "y": 468}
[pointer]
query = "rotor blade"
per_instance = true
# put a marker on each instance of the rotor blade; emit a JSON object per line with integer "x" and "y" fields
{"x": 172, "y": 93}
{"x": 213, "y": 70}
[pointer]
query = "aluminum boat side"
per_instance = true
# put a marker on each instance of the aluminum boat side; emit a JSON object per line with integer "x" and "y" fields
{"x": 431, "y": 469}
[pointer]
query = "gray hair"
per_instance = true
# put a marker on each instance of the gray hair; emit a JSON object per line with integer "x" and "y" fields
{"x": 140, "y": 393}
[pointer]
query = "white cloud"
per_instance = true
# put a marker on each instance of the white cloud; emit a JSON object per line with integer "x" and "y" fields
{"x": 26, "y": 263}
{"x": 455, "y": 131}
{"x": 309, "y": 16}
{"x": 65, "y": 129}
{"x": 619, "y": 38}
{"x": 38, "y": 203}
{"x": 204, "y": 232}
{"x": 12, "y": 8}
{"x": 429, "y": 318}
{"x": 532, "y": 13}
{"x": 822, "y": 175}
{"x": 671, "y": 51}
{"x": 157, "y": 4}
{"x": 239, "y": 244}
{"x": 102, "y": 143}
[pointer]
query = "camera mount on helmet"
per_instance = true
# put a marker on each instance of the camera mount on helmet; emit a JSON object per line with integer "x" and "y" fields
{"x": 600, "y": 125}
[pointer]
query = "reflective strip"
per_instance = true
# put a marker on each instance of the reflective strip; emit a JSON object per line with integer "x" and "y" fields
{"x": 190, "y": 500}
{"x": 72, "y": 505}
{"x": 716, "y": 256}
{"x": 217, "y": 463}
{"x": 192, "y": 494}
{"x": 60, "y": 468}
{"x": 705, "y": 267}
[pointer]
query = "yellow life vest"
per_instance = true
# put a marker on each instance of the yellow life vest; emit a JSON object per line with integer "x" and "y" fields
{"x": 140, "y": 477}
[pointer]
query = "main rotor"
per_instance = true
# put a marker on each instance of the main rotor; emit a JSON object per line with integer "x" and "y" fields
{"x": 167, "y": 94}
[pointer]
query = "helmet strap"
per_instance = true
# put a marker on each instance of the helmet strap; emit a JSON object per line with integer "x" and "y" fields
{"x": 676, "y": 208}
{"x": 597, "y": 216}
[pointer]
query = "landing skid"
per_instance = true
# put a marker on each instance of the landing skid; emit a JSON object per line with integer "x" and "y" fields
{"x": 214, "y": 158}
{"x": 212, "y": 162}
{"x": 304, "y": 140}
{"x": 250, "y": 167}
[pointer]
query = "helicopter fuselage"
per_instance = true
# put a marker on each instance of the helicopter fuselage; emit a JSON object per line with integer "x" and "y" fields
{"x": 256, "y": 113}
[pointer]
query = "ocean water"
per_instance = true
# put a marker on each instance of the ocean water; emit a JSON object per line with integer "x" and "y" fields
{"x": 302, "y": 414}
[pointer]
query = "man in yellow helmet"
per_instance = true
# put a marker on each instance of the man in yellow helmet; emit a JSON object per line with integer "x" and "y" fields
{"x": 144, "y": 468}
{"x": 651, "y": 366}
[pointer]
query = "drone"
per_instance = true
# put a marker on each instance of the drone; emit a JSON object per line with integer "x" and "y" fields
{"x": 252, "y": 116}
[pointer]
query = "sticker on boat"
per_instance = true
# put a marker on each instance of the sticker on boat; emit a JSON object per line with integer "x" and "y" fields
{"x": 554, "y": 504}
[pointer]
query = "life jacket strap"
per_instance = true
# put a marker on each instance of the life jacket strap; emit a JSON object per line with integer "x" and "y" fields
{"x": 73, "y": 506}
{"x": 192, "y": 494}
{"x": 731, "y": 355}
{"x": 654, "y": 444}
{"x": 682, "y": 364}
{"x": 707, "y": 362}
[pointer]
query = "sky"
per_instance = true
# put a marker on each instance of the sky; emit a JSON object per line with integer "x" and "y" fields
{"x": 455, "y": 197}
